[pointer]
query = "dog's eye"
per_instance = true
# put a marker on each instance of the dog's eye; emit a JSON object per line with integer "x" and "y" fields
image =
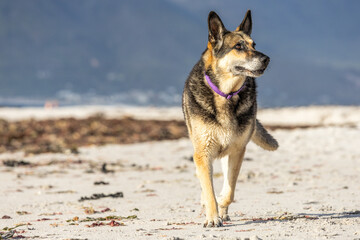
{"x": 239, "y": 46}
{"x": 254, "y": 44}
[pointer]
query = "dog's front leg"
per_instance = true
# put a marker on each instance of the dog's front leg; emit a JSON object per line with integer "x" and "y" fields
{"x": 231, "y": 168}
{"x": 204, "y": 173}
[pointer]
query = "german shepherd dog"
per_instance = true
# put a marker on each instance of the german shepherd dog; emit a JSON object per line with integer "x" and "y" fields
{"x": 219, "y": 105}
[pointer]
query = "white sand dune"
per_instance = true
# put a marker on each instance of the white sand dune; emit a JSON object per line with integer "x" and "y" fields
{"x": 38, "y": 113}
{"x": 308, "y": 189}
{"x": 303, "y": 116}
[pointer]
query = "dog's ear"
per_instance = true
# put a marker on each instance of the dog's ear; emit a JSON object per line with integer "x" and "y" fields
{"x": 216, "y": 29}
{"x": 246, "y": 24}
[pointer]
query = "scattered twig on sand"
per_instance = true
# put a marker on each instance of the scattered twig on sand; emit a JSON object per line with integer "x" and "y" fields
{"x": 96, "y": 196}
{"x": 274, "y": 191}
{"x": 95, "y": 224}
{"x": 112, "y": 223}
{"x": 15, "y": 163}
{"x": 283, "y": 217}
{"x": 102, "y": 219}
{"x": 62, "y": 192}
{"x": 7, "y": 235}
{"x": 89, "y": 210}
{"x": 46, "y": 219}
{"x": 245, "y": 230}
{"x": 101, "y": 183}
{"x": 106, "y": 210}
{"x": 189, "y": 158}
{"x": 173, "y": 228}
{"x": 357, "y": 212}
{"x": 151, "y": 195}
{"x": 16, "y": 226}
{"x": 182, "y": 223}
{"x": 51, "y": 214}
{"x": 105, "y": 170}
{"x": 22, "y": 212}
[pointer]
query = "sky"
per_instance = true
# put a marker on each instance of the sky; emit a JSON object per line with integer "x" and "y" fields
{"x": 140, "y": 52}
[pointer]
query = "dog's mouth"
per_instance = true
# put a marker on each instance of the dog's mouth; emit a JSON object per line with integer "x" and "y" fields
{"x": 249, "y": 72}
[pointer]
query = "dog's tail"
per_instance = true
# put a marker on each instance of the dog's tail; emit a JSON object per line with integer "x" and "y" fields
{"x": 263, "y": 139}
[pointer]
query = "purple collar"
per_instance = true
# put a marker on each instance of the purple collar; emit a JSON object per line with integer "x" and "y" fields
{"x": 217, "y": 90}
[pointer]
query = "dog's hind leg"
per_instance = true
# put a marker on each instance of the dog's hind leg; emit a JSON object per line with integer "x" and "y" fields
{"x": 231, "y": 168}
{"x": 204, "y": 173}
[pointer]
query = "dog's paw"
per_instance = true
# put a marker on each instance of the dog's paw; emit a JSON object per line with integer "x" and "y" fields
{"x": 225, "y": 217}
{"x": 223, "y": 212}
{"x": 215, "y": 222}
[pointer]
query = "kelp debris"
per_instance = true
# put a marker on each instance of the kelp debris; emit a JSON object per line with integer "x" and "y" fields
{"x": 96, "y": 196}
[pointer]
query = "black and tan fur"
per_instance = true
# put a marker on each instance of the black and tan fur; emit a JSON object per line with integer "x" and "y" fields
{"x": 221, "y": 128}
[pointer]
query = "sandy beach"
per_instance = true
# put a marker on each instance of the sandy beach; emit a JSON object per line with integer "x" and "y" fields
{"x": 308, "y": 189}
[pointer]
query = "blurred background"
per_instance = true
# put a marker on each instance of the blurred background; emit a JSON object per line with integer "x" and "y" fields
{"x": 139, "y": 52}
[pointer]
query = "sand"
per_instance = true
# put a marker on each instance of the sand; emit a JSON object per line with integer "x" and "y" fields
{"x": 308, "y": 189}
{"x": 314, "y": 115}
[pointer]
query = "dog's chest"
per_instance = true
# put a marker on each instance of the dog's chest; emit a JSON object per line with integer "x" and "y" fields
{"x": 231, "y": 139}
{"x": 230, "y": 132}
{"x": 225, "y": 115}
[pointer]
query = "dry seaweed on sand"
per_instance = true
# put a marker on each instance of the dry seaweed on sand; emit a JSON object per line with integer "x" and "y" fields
{"x": 112, "y": 223}
{"x": 105, "y": 170}
{"x": 356, "y": 212}
{"x": 101, "y": 183}
{"x": 245, "y": 230}
{"x": 95, "y": 224}
{"x": 15, "y": 163}
{"x": 106, "y": 210}
{"x": 16, "y": 226}
{"x": 283, "y": 217}
{"x": 172, "y": 228}
{"x": 22, "y": 212}
{"x": 7, "y": 235}
{"x": 67, "y": 134}
{"x": 182, "y": 223}
{"x": 96, "y": 196}
{"x": 101, "y": 219}
{"x": 46, "y": 219}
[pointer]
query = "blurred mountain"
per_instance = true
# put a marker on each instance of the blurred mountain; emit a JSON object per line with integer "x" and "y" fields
{"x": 140, "y": 51}
{"x": 94, "y": 47}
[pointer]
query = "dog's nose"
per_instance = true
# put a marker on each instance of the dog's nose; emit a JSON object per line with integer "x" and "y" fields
{"x": 265, "y": 60}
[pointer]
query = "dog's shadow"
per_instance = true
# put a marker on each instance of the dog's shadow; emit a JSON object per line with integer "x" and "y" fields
{"x": 291, "y": 217}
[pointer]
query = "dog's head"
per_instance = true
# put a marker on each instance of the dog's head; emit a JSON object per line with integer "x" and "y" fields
{"x": 234, "y": 51}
